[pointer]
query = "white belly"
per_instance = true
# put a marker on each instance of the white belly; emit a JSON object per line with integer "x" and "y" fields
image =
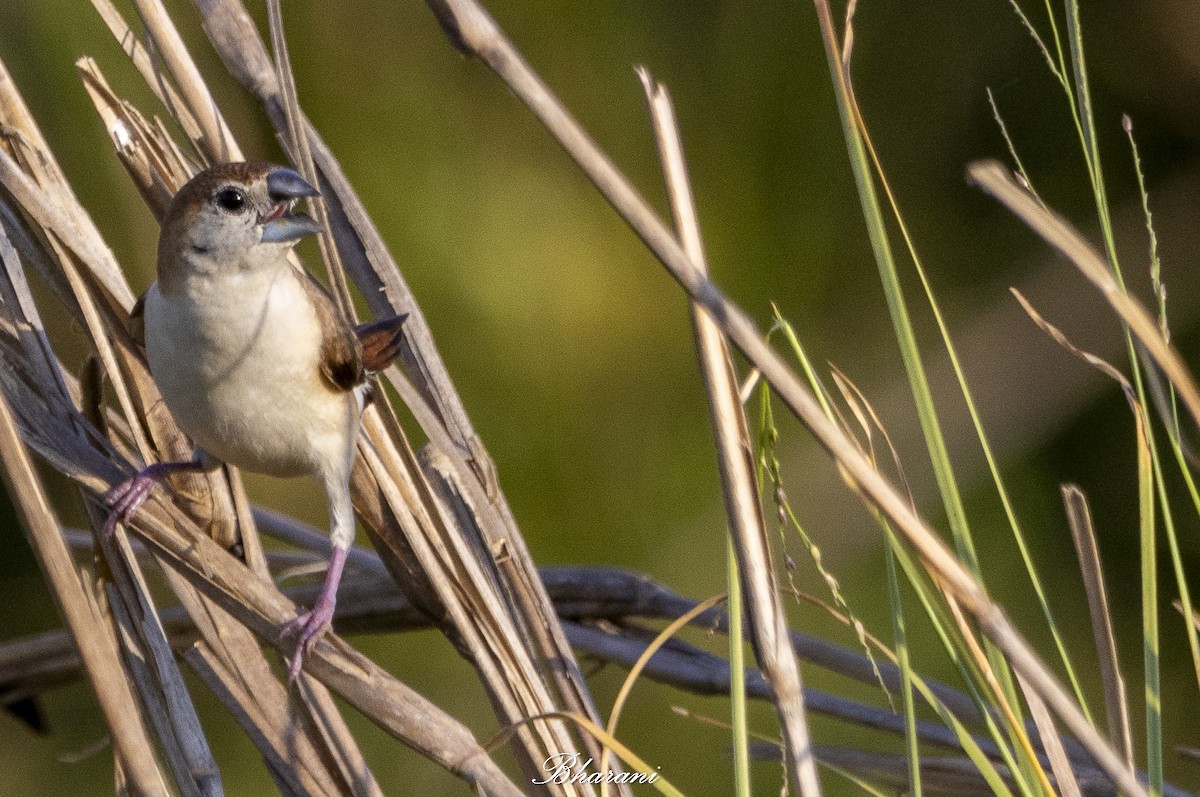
{"x": 237, "y": 363}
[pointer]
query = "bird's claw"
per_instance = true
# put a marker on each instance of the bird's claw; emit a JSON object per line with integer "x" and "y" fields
{"x": 312, "y": 625}
{"x": 309, "y": 626}
{"x": 124, "y": 499}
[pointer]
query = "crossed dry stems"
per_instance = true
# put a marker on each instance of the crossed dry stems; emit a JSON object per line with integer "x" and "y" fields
{"x": 437, "y": 517}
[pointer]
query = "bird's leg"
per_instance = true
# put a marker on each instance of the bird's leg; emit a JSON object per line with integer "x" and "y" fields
{"x": 124, "y": 499}
{"x": 312, "y": 625}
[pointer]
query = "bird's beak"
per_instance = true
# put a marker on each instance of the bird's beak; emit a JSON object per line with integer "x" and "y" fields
{"x": 281, "y": 225}
{"x": 285, "y": 184}
{"x": 289, "y": 227}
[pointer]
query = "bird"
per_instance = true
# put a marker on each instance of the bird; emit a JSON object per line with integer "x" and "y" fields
{"x": 251, "y": 356}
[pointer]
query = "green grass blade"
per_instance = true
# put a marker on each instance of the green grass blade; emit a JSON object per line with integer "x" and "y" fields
{"x": 1150, "y": 637}
{"x": 1170, "y": 416}
{"x": 927, "y": 594}
{"x": 1148, "y": 458}
{"x": 1091, "y": 147}
{"x": 737, "y": 678}
{"x": 980, "y": 432}
{"x": 954, "y": 647}
{"x": 901, "y": 323}
{"x": 903, "y": 330}
{"x": 911, "y": 743}
{"x": 1056, "y": 67}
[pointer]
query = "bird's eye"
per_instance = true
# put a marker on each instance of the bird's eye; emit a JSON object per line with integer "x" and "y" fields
{"x": 231, "y": 199}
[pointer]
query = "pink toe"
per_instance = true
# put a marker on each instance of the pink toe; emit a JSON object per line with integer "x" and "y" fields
{"x": 311, "y": 627}
{"x": 124, "y": 499}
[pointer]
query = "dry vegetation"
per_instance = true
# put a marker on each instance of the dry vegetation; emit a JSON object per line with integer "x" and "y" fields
{"x": 447, "y": 551}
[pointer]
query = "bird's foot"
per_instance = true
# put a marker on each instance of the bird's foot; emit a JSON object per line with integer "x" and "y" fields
{"x": 124, "y": 499}
{"x": 312, "y": 625}
{"x": 309, "y": 627}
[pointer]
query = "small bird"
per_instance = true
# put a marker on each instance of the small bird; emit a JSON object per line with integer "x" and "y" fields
{"x": 251, "y": 356}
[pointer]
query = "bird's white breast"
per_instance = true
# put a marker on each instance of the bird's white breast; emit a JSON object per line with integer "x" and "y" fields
{"x": 236, "y": 357}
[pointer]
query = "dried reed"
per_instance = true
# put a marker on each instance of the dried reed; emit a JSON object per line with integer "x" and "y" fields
{"x": 449, "y": 554}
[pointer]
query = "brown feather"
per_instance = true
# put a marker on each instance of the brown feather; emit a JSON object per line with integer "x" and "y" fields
{"x": 341, "y": 353}
{"x": 381, "y": 341}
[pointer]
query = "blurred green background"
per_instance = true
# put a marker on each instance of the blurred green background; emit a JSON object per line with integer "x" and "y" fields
{"x": 572, "y": 348}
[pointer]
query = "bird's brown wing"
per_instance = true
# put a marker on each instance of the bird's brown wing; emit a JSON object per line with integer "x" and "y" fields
{"x": 341, "y": 353}
{"x": 381, "y": 341}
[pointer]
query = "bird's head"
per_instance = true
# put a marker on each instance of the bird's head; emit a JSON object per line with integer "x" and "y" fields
{"x": 233, "y": 216}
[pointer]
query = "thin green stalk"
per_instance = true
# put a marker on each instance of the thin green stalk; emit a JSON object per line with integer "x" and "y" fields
{"x": 1146, "y": 529}
{"x": 981, "y": 762}
{"x": 980, "y": 433}
{"x": 1081, "y": 108}
{"x": 1171, "y": 421}
{"x": 1079, "y": 103}
{"x": 1091, "y": 146}
{"x": 926, "y": 593}
{"x": 810, "y": 373}
{"x": 1056, "y": 67}
{"x": 1057, "y": 38}
{"x": 901, "y": 323}
{"x": 1149, "y": 564}
{"x": 1009, "y": 145}
{"x": 902, "y": 328}
{"x": 1160, "y": 291}
{"x": 951, "y": 642}
{"x": 1185, "y": 594}
{"x": 769, "y": 470}
{"x": 737, "y": 677}
{"x": 911, "y": 743}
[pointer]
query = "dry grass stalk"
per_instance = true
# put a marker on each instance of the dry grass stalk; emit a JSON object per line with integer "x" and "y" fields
{"x": 30, "y": 666}
{"x": 215, "y": 140}
{"x": 518, "y": 669}
{"x": 735, "y": 459}
{"x": 297, "y": 145}
{"x": 371, "y": 603}
{"x": 997, "y": 181}
{"x": 940, "y": 776}
{"x": 1060, "y": 765}
{"x": 1116, "y": 706}
{"x": 93, "y": 635}
{"x": 159, "y": 685}
{"x": 257, "y": 604}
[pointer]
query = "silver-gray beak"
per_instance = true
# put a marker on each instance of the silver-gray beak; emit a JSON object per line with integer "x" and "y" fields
{"x": 289, "y": 227}
{"x": 284, "y": 184}
{"x": 281, "y": 225}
